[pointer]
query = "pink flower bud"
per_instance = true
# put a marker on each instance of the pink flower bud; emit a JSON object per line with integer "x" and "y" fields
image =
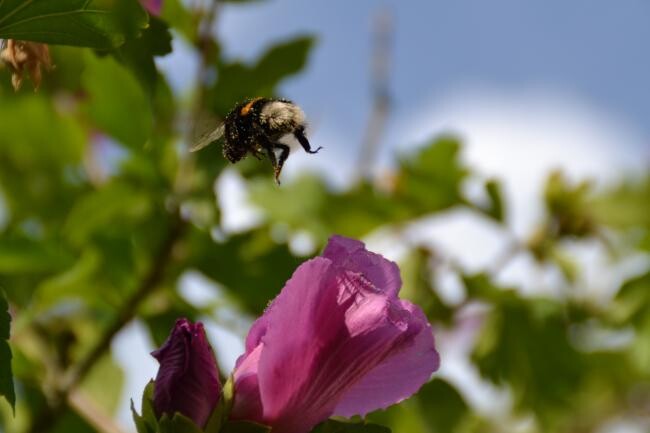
{"x": 188, "y": 377}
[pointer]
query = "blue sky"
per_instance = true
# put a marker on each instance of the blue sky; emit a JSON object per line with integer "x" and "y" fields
{"x": 594, "y": 51}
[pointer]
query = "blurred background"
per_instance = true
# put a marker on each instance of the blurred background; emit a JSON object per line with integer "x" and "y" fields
{"x": 498, "y": 151}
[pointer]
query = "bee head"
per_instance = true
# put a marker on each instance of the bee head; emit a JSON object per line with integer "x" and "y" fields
{"x": 234, "y": 153}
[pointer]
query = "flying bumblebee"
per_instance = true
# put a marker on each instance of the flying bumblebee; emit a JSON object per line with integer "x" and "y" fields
{"x": 256, "y": 126}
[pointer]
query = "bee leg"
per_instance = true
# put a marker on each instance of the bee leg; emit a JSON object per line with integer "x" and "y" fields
{"x": 300, "y": 136}
{"x": 256, "y": 152}
{"x": 284, "y": 154}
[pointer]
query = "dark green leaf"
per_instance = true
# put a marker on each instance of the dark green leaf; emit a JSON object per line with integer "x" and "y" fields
{"x": 417, "y": 278}
{"x": 96, "y": 23}
{"x": 244, "y": 427}
{"x": 431, "y": 179}
{"x": 251, "y": 266}
{"x": 117, "y": 103}
{"x": 495, "y": 208}
{"x": 237, "y": 81}
{"x": 6, "y": 377}
{"x": 441, "y": 406}
{"x": 20, "y": 255}
{"x": 220, "y": 414}
{"x": 148, "y": 413}
{"x": 633, "y": 301}
{"x": 104, "y": 383}
{"x": 140, "y": 425}
{"x": 332, "y": 426}
{"x": 177, "y": 424}
{"x": 138, "y": 54}
{"x": 525, "y": 344}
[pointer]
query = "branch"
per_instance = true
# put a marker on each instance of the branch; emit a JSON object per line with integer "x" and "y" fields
{"x": 148, "y": 284}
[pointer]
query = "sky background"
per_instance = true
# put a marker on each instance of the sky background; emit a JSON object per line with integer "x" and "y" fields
{"x": 529, "y": 86}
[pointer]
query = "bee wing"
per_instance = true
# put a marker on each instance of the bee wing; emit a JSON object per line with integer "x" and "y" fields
{"x": 208, "y": 138}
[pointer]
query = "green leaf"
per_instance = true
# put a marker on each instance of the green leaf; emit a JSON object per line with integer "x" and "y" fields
{"x": 148, "y": 413}
{"x": 140, "y": 425}
{"x": 417, "y": 278}
{"x": 20, "y": 255}
{"x": 147, "y": 422}
{"x": 525, "y": 344}
{"x": 567, "y": 206}
{"x": 117, "y": 103}
{"x": 6, "y": 377}
{"x": 100, "y": 24}
{"x": 244, "y": 427}
{"x": 177, "y": 424}
{"x": 138, "y": 54}
{"x": 237, "y": 81}
{"x": 442, "y": 406}
{"x": 176, "y": 13}
{"x": 219, "y": 416}
{"x": 251, "y": 266}
{"x": 332, "y": 426}
{"x": 495, "y": 208}
{"x": 431, "y": 179}
{"x": 41, "y": 146}
{"x": 633, "y": 302}
{"x": 98, "y": 211}
{"x": 104, "y": 383}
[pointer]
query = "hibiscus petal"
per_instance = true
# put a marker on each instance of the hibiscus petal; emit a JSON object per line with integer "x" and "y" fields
{"x": 297, "y": 333}
{"x": 414, "y": 365}
{"x": 352, "y": 255}
{"x": 337, "y": 333}
{"x": 247, "y": 403}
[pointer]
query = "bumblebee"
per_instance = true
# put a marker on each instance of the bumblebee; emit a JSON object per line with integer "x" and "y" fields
{"x": 256, "y": 126}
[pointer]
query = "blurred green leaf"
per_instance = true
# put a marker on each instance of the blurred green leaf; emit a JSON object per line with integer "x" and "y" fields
{"x": 138, "y": 54}
{"x": 567, "y": 207}
{"x": 495, "y": 208}
{"x": 417, "y": 286}
{"x": 332, "y": 426}
{"x": 633, "y": 301}
{"x": 72, "y": 282}
{"x": 431, "y": 179}
{"x": 42, "y": 147}
{"x": 436, "y": 408}
{"x": 626, "y": 206}
{"x": 524, "y": 344}
{"x": 104, "y": 384}
{"x": 251, "y": 266}
{"x": 442, "y": 406}
{"x": 95, "y": 23}
{"x": 6, "y": 377}
{"x": 116, "y": 101}
{"x": 176, "y": 13}
{"x": 20, "y": 255}
{"x": 100, "y": 211}
{"x": 237, "y": 81}
{"x": 299, "y": 204}
{"x": 177, "y": 424}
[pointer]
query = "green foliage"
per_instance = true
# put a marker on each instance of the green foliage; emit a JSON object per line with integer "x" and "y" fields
{"x": 6, "y": 378}
{"x": 237, "y": 81}
{"x": 117, "y": 104}
{"x": 515, "y": 348}
{"x": 436, "y": 408}
{"x": 97, "y": 23}
{"x": 332, "y": 426}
